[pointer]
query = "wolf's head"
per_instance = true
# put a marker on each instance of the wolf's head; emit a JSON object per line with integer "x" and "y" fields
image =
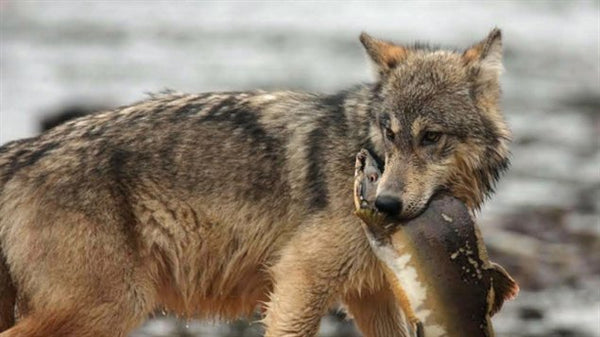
{"x": 438, "y": 121}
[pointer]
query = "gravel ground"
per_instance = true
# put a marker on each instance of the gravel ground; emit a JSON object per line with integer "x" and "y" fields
{"x": 543, "y": 223}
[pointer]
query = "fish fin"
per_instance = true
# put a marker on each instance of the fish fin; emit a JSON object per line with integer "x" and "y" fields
{"x": 370, "y": 217}
{"x": 505, "y": 287}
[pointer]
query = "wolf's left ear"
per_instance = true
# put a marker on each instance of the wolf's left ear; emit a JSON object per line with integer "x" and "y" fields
{"x": 385, "y": 55}
{"x": 486, "y": 55}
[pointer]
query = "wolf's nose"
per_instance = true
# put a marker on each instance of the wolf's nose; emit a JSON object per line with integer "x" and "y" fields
{"x": 388, "y": 205}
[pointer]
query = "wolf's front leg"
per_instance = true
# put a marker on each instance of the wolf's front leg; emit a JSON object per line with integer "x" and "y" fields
{"x": 325, "y": 258}
{"x": 376, "y": 314}
{"x": 299, "y": 299}
{"x": 328, "y": 261}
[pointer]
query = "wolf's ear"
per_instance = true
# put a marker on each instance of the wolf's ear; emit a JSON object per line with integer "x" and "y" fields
{"x": 486, "y": 55}
{"x": 385, "y": 55}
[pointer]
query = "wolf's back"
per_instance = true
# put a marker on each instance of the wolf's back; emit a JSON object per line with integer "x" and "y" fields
{"x": 253, "y": 148}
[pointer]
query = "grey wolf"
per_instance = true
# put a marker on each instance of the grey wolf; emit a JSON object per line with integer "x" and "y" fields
{"x": 213, "y": 205}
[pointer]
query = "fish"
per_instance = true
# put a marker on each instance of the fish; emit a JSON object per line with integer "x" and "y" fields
{"x": 436, "y": 263}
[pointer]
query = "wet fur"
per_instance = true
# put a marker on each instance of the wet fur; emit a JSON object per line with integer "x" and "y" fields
{"x": 212, "y": 205}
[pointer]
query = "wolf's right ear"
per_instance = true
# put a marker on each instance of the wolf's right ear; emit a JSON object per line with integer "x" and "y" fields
{"x": 385, "y": 55}
{"x": 487, "y": 54}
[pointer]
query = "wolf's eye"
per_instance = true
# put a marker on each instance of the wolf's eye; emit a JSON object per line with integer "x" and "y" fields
{"x": 430, "y": 138}
{"x": 389, "y": 134}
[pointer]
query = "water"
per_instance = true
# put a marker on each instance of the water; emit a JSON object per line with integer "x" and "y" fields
{"x": 104, "y": 53}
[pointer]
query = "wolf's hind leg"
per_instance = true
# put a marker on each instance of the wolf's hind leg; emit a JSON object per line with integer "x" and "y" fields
{"x": 73, "y": 311}
{"x": 77, "y": 277}
{"x": 82, "y": 322}
{"x": 8, "y": 296}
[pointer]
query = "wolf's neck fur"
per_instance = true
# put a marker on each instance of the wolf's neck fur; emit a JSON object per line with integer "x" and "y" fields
{"x": 356, "y": 104}
{"x": 342, "y": 124}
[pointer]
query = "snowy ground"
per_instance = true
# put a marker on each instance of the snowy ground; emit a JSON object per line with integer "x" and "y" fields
{"x": 543, "y": 223}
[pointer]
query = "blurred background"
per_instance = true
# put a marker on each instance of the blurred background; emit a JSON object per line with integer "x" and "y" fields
{"x": 543, "y": 225}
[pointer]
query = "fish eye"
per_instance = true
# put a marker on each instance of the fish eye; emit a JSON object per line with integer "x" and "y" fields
{"x": 389, "y": 134}
{"x": 430, "y": 138}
